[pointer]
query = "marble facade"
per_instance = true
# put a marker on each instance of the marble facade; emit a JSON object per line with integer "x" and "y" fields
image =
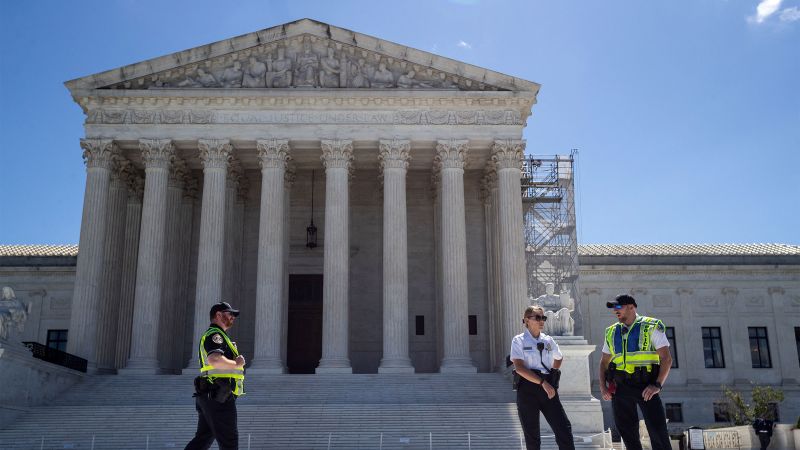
{"x": 214, "y": 147}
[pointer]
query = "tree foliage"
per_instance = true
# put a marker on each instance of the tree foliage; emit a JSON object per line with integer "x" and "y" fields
{"x": 761, "y": 405}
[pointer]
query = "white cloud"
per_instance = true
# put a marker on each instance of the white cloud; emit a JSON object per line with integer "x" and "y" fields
{"x": 765, "y": 9}
{"x": 790, "y": 14}
{"x": 465, "y": 45}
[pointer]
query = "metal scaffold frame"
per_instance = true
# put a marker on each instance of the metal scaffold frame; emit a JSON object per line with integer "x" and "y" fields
{"x": 551, "y": 244}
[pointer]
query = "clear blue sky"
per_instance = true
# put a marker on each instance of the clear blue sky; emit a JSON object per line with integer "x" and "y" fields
{"x": 686, "y": 112}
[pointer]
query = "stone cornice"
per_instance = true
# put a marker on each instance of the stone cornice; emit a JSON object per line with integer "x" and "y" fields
{"x": 273, "y": 153}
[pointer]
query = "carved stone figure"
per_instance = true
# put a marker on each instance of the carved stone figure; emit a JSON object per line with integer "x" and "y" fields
{"x": 558, "y": 309}
{"x": 232, "y": 77}
{"x": 307, "y": 67}
{"x": 279, "y": 73}
{"x": 206, "y": 79}
{"x": 444, "y": 83}
{"x": 359, "y": 78}
{"x": 407, "y": 81}
{"x": 13, "y": 314}
{"x": 330, "y": 69}
{"x": 254, "y": 74}
{"x": 383, "y": 77}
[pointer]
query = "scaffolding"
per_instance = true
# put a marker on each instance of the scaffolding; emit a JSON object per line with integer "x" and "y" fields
{"x": 551, "y": 244}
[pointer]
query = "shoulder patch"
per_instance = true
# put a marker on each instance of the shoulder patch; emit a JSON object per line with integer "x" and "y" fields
{"x": 216, "y": 338}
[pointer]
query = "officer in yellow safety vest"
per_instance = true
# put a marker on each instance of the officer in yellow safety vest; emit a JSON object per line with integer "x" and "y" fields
{"x": 219, "y": 384}
{"x": 634, "y": 366}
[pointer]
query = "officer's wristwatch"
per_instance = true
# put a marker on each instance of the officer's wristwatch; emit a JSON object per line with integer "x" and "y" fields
{"x": 657, "y": 384}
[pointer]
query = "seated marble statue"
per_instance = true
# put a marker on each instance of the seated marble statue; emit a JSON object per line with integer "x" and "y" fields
{"x": 359, "y": 79}
{"x": 232, "y": 76}
{"x": 254, "y": 74}
{"x": 206, "y": 79}
{"x": 329, "y": 70}
{"x": 383, "y": 77}
{"x": 279, "y": 71}
{"x": 407, "y": 81}
{"x": 558, "y": 309}
{"x": 13, "y": 314}
{"x": 307, "y": 67}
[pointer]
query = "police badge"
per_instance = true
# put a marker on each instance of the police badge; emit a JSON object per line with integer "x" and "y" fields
{"x": 216, "y": 338}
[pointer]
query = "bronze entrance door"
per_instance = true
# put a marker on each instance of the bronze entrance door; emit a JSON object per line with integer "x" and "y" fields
{"x": 304, "y": 340}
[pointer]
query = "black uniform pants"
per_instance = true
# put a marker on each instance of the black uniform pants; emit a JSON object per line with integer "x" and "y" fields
{"x": 215, "y": 421}
{"x": 764, "y": 439}
{"x": 624, "y": 404}
{"x": 531, "y": 400}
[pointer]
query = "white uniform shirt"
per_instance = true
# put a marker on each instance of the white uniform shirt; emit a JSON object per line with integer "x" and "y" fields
{"x": 659, "y": 339}
{"x": 524, "y": 347}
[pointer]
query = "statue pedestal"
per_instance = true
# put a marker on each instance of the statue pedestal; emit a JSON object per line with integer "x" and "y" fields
{"x": 583, "y": 410}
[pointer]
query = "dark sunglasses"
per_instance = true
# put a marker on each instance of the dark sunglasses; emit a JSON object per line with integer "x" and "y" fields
{"x": 539, "y": 318}
{"x": 618, "y": 307}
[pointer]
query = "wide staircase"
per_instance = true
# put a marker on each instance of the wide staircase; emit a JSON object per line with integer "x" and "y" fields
{"x": 422, "y": 411}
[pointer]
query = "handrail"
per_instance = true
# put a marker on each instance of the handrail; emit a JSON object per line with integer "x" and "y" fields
{"x": 55, "y": 356}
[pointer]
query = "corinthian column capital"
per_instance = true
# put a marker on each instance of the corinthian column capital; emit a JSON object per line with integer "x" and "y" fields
{"x": 99, "y": 153}
{"x": 394, "y": 153}
{"x": 337, "y": 154}
{"x": 178, "y": 172}
{"x": 273, "y": 153}
{"x": 215, "y": 153}
{"x": 508, "y": 153}
{"x": 451, "y": 154}
{"x": 289, "y": 176}
{"x": 157, "y": 153}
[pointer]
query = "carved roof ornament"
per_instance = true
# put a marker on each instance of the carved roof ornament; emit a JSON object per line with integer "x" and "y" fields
{"x": 302, "y": 54}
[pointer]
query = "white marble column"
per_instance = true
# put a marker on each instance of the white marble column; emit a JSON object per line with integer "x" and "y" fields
{"x": 108, "y": 309}
{"x": 288, "y": 181}
{"x": 394, "y": 156}
{"x": 273, "y": 155}
{"x": 169, "y": 341}
{"x": 185, "y": 297}
{"x": 215, "y": 154}
{"x": 496, "y": 329}
{"x": 97, "y": 154}
{"x": 133, "y": 220}
{"x": 449, "y": 161}
{"x": 157, "y": 155}
{"x": 507, "y": 156}
{"x": 337, "y": 157}
{"x": 231, "y": 187}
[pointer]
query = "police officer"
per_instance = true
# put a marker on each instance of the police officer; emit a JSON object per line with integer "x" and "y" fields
{"x": 634, "y": 366}
{"x": 763, "y": 429}
{"x": 536, "y": 360}
{"x": 220, "y": 382}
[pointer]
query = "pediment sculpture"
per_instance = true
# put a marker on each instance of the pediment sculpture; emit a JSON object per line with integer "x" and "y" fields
{"x": 13, "y": 314}
{"x": 558, "y": 309}
{"x": 305, "y": 62}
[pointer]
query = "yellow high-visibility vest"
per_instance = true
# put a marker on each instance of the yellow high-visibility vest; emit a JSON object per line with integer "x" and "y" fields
{"x": 634, "y": 348}
{"x": 210, "y": 372}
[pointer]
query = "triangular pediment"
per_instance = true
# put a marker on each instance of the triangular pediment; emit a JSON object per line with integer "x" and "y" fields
{"x": 303, "y": 54}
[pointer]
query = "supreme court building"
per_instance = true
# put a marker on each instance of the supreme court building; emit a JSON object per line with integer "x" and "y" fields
{"x": 209, "y": 169}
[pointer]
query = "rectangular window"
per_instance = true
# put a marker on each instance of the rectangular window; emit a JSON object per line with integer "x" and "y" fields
{"x": 674, "y": 412}
{"x": 673, "y": 350}
{"x": 797, "y": 342}
{"x": 420, "y": 325}
{"x": 712, "y": 348}
{"x": 721, "y": 413}
{"x": 473, "y": 325}
{"x": 759, "y": 348}
{"x": 57, "y": 339}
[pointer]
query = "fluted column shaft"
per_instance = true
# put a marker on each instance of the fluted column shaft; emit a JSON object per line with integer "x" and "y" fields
{"x": 108, "y": 309}
{"x": 97, "y": 154}
{"x": 337, "y": 157}
{"x": 185, "y": 296}
{"x": 450, "y": 159}
{"x": 507, "y": 156}
{"x": 147, "y": 304}
{"x": 273, "y": 155}
{"x": 489, "y": 193}
{"x": 215, "y": 155}
{"x": 288, "y": 181}
{"x": 394, "y": 157}
{"x": 169, "y": 339}
{"x": 133, "y": 219}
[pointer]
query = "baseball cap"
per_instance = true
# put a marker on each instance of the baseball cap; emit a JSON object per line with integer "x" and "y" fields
{"x": 623, "y": 299}
{"x": 223, "y": 307}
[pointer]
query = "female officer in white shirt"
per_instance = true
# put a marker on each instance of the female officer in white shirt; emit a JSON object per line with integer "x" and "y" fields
{"x": 535, "y": 356}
